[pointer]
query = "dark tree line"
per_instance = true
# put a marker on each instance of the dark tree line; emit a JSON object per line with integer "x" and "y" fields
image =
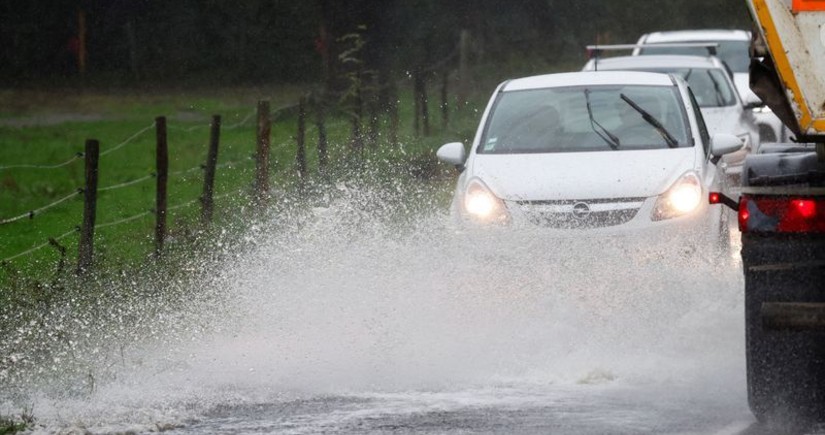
{"x": 220, "y": 41}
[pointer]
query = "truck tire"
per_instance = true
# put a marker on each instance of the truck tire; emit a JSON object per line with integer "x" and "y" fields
{"x": 785, "y": 368}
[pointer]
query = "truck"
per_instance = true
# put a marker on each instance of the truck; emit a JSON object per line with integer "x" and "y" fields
{"x": 781, "y": 215}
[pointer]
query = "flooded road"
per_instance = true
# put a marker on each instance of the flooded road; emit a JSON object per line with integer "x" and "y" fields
{"x": 349, "y": 323}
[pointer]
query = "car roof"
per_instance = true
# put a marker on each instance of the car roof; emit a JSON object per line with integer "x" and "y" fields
{"x": 587, "y": 78}
{"x": 697, "y": 35}
{"x": 658, "y": 61}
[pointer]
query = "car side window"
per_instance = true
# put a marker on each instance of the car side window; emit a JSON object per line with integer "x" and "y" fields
{"x": 700, "y": 121}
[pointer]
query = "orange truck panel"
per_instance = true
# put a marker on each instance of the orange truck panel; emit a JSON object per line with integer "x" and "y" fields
{"x": 808, "y": 5}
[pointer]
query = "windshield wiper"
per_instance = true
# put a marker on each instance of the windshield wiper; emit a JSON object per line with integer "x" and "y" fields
{"x": 610, "y": 138}
{"x": 671, "y": 141}
{"x": 720, "y": 99}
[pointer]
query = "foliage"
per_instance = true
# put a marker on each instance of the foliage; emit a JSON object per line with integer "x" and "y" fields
{"x": 9, "y": 426}
{"x": 193, "y": 41}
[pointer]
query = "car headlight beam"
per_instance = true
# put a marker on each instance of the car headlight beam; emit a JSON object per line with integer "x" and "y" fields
{"x": 482, "y": 205}
{"x": 683, "y": 197}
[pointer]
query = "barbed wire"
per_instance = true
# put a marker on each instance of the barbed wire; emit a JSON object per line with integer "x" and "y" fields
{"x": 186, "y": 171}
{"x": 41, "y": 246}
{"x": 275, "y": 113}
{"x": 78, "y": 155}
{"x": 241, "y": 123}
{"x": 131, "y": 138}
{"x": 117, "y": 222}
{"x": 227, "y": 127}
{"x": 185, "y": 204}
{"x": 124, "y": 220}
{"x": 127, "y": 183}
{"x": 233, "y": 163}
{"x": 31, "y": 213}
{"x": 172, "y": 174}
{"x": 59, "y": 165}
{"x": 188, "y": 130}
{"x": 238, "y": 124}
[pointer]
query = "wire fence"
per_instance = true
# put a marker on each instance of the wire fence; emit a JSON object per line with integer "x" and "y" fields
{"x": 127, "y": 183}
{"x": 79, "y": 155}
{"x": 350, "y": 118}
{"x": 127, "y": 141}
{"x": 136, "y": 181}
{"x": 32, "y": 213}
{"x": 112, "y": 224}
{"x": 38, "y": 247}
{"x": 32, "y": 166}
{"x": 125, "y": 220}
{"x": 234, "y": 126}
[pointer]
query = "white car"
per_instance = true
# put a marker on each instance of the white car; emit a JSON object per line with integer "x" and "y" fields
{"x": 733, "y": 49}
{"x": 601, "y": 151}
{"x": 716, "y": 94}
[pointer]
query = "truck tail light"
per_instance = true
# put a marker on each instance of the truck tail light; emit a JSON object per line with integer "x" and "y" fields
{"x": 779, "y": 214}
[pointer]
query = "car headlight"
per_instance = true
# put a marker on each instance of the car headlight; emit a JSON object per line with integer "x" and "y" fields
{"x": 482, "y": 205}
{"x": 683, "y": 197}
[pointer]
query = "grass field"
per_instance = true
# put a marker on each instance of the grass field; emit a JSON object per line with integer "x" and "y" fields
{"x": 39, "y": 131}
{"x": 50, "y": 128}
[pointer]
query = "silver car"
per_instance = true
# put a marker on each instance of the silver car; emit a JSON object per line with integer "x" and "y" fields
{"x": 713, "y": 89}
{"x": 733, "y": 46}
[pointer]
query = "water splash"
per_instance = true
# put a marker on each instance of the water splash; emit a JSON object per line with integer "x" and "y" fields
{"x": 375, "y": 292}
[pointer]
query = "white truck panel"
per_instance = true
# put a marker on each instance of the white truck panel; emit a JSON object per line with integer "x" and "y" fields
{"x": 798, "y": 59}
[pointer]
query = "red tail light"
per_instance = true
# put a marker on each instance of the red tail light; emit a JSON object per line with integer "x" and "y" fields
{"x": 782, "y": 214}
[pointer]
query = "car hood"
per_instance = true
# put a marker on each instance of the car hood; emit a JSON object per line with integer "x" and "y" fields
{"x": 743, "y": 86}
{"x": 585, "y": 175}
{"x": 723, "y": 119}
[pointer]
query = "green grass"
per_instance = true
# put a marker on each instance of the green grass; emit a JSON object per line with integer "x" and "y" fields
{"x": 9, "y": 427}
{"x": 42, "y": 135}
{"x": 46, "y": 128}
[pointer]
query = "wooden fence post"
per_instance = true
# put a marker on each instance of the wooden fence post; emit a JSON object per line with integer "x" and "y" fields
{"x": 445, "y": 108}
{"x": 301, "y": 155}
{"x": 322, "y": 136}
{"x": 262, "y": 154}
{"x": 374, "y": 103}
{"x": 422, "y": 113}
{"x": 357, "y": 140}
{"x": 162, "y": 162}
{"x": 417, "y": 104}
{"x": 393, "y": 97}
{"x": 87, "y": 230}
{"x": 463, "y": 69}
{"x": 209, "y": 169}
{"x": 422, "y": 96}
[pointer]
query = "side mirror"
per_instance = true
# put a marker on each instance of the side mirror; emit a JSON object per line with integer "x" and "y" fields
{"x": 721, "y": 144}
{"x": 452, "y": 153}
{"x": 751, "y": 101}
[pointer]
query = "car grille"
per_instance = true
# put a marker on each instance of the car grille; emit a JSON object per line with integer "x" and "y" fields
{"x": 575, "y": 214}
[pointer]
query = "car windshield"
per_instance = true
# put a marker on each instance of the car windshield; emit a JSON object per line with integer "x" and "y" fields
{"x": 580, "y": 119}
{"x": 733, "y": 53}
{"x": 710, "y": 86}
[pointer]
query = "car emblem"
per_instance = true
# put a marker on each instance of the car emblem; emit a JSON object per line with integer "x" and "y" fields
{"x": 581, "y": 211}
